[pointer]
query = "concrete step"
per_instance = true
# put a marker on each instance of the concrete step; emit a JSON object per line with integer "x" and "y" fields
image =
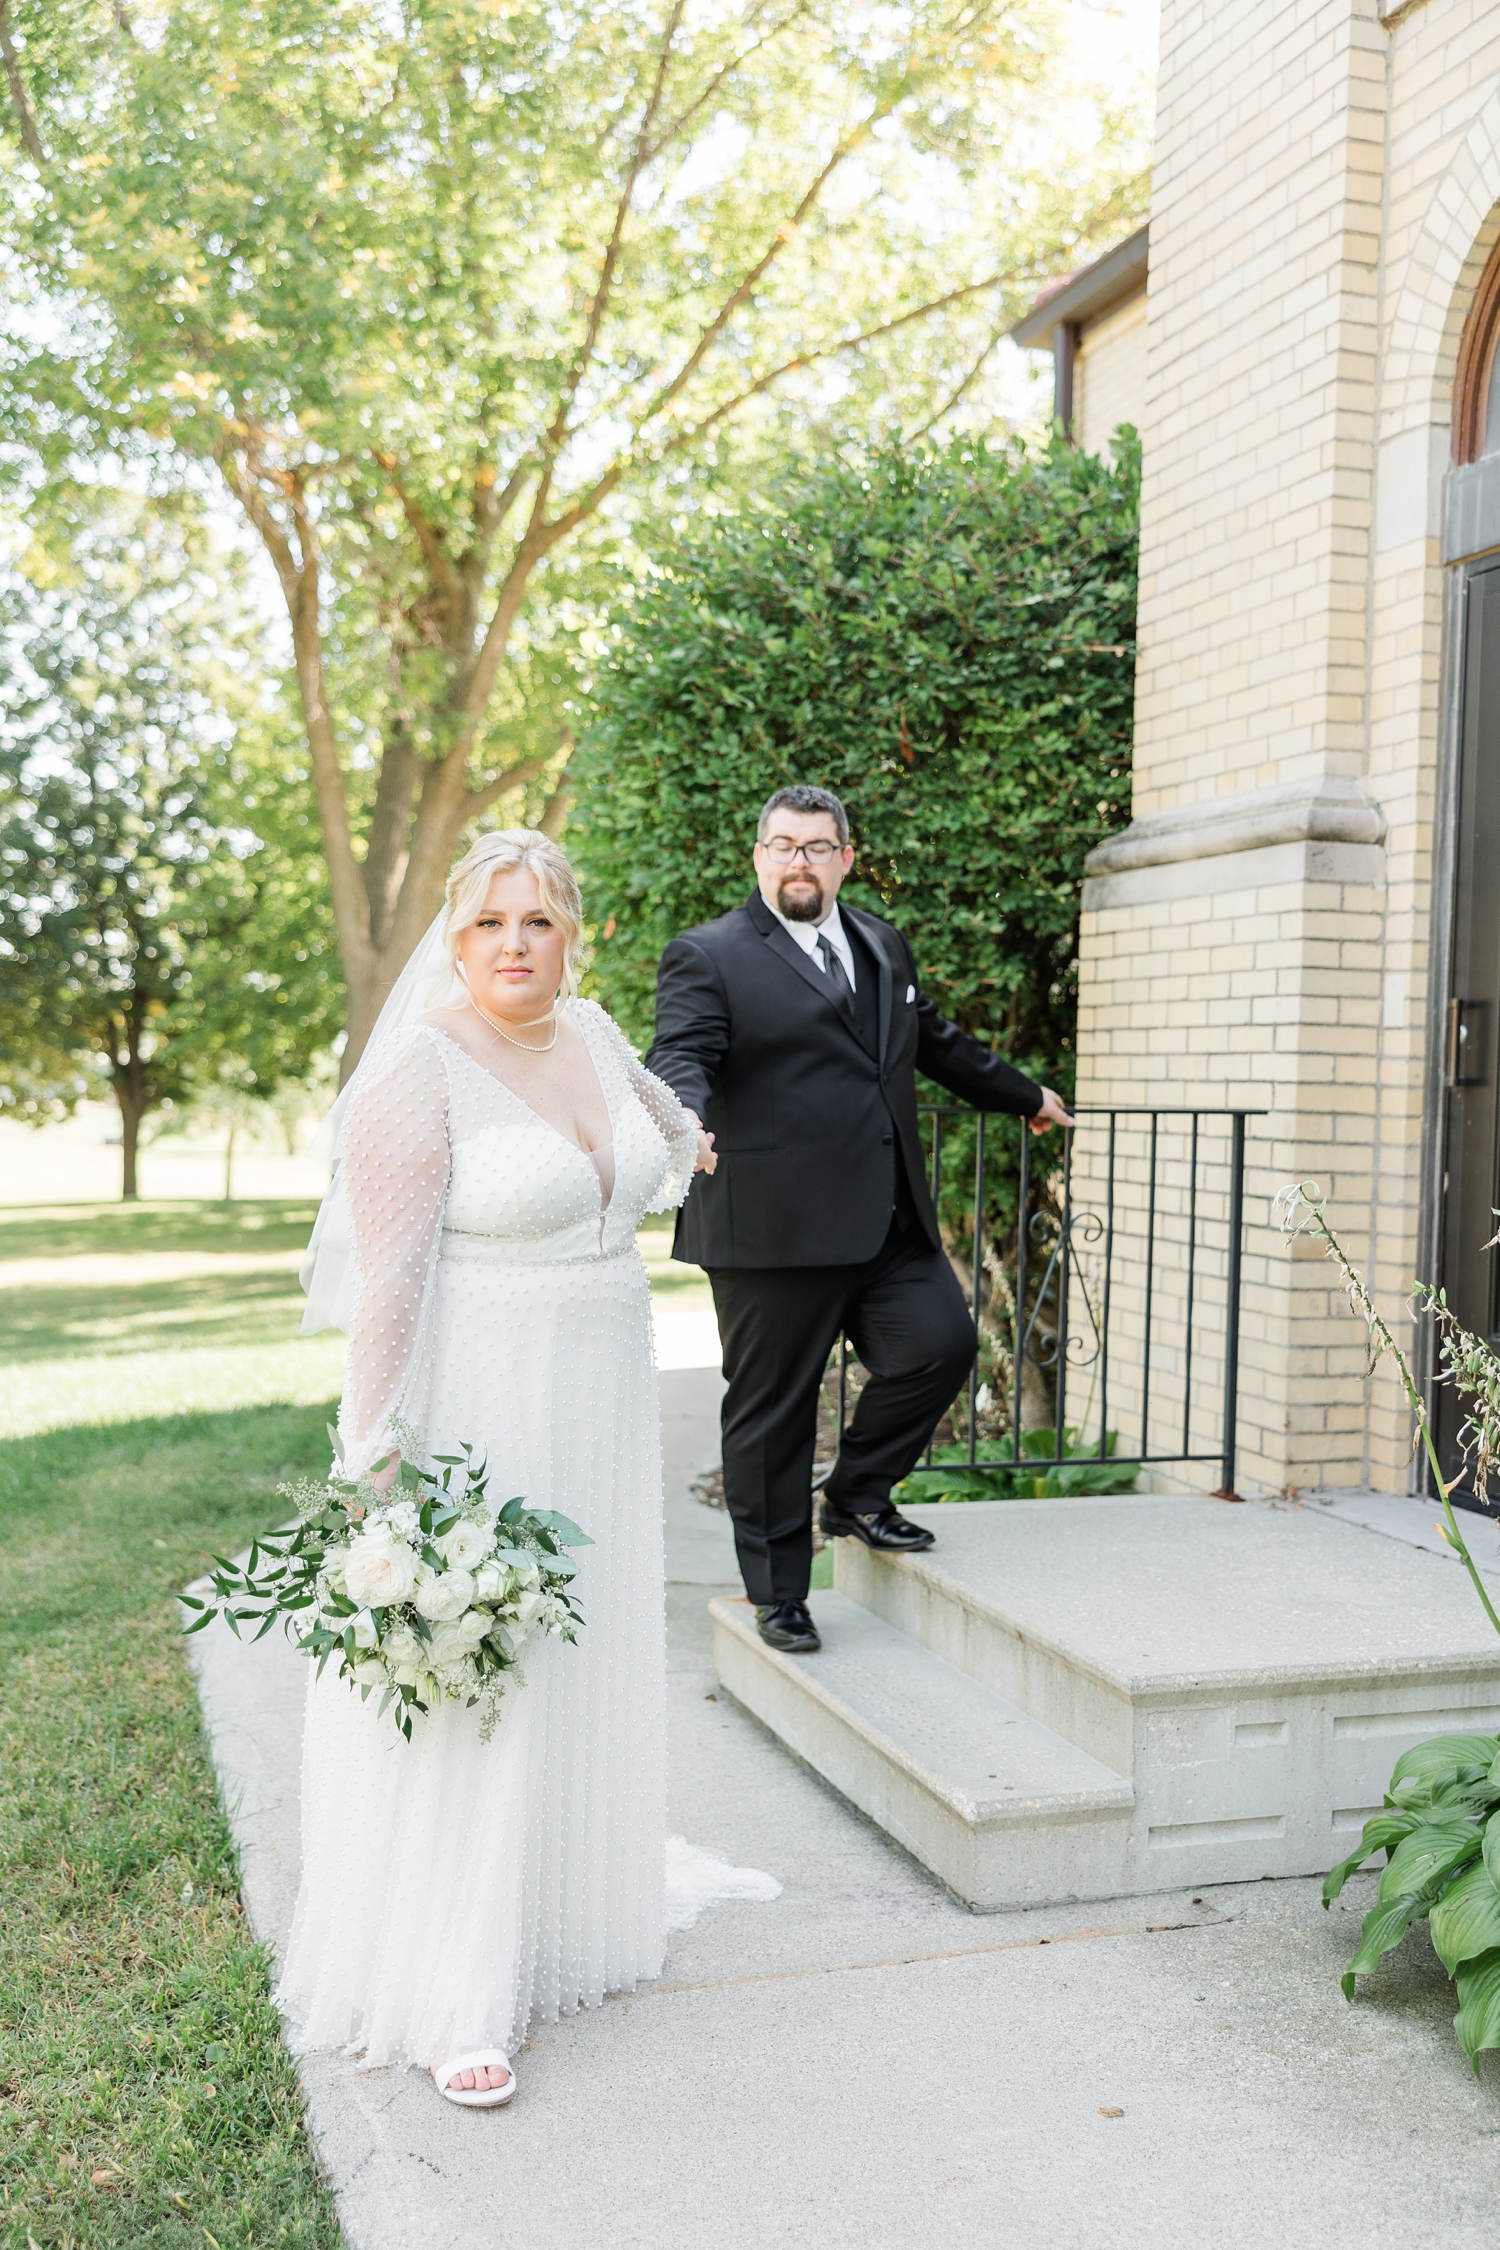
{"x": 1004, "y": 1810}
{"x": 1253, "y": 1672}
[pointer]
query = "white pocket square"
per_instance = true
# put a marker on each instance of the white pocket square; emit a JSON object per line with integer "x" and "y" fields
{"x": 911, "y": 994}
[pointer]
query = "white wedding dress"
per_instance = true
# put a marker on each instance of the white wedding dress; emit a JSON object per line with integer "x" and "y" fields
{"x": 452, "y": 1889}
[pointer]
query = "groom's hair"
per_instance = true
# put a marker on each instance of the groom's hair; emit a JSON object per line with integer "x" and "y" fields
{"x": 801, "y": 798}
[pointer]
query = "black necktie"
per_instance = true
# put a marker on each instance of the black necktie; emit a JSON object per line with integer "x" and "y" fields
{"x": 838, "y": 978}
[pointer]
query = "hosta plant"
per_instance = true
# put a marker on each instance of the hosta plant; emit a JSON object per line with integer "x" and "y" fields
{"x": 1440, "y": 1825}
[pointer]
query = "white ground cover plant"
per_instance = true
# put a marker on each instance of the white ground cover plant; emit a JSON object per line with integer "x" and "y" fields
{"x": 426, "y": 1590}
{"x": 1440, "y": 1825}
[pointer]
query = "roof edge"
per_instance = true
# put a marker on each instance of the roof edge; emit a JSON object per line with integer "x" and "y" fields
{"x": 1120, "y": 273}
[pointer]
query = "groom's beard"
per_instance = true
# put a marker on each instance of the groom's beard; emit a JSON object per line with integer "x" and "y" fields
{"x": 799, "y": 902}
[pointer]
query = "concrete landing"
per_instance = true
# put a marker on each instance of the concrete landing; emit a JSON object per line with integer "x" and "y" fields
{"x": 1248, "y": 1674}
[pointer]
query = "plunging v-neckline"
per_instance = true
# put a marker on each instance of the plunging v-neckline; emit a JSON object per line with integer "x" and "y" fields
{"x": 588, "y": 1154}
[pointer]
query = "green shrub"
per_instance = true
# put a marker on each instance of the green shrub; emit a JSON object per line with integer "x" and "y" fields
{"x": 1082, "y": 1471}
{"x": 943, "y": 635}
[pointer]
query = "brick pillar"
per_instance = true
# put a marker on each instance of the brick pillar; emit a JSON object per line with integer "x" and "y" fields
{"x": 1233, "y": 938}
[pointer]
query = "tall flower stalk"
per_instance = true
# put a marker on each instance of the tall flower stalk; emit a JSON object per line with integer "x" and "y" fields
{"x": 1439, "y": 1827}
{"x": 1472, "y": 1367}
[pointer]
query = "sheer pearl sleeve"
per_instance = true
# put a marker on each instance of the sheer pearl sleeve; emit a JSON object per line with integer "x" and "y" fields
{"x": 396, "y": 1157}
{"x": 660, "y": 1104}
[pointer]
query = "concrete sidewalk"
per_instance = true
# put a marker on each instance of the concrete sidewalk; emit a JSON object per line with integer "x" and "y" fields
{"x": 863, "y": 2062}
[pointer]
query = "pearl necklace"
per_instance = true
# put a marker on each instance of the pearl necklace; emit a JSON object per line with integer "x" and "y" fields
{"x": 524, "y": 1045}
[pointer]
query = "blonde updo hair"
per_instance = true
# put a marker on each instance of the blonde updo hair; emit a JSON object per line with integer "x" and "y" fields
{"x": 496, "y": 853}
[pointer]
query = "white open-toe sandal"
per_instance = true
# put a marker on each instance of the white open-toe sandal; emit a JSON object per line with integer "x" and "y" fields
{"x": 476, "y": 2097}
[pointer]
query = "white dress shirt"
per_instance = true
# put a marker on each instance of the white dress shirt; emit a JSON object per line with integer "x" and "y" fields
{"x": 807, "y": 935}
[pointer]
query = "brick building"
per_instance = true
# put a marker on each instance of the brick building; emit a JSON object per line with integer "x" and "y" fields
{"x": 1304, "y": 915}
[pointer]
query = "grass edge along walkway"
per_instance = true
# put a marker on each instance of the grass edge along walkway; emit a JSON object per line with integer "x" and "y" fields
{"x": 146, "y": 2097}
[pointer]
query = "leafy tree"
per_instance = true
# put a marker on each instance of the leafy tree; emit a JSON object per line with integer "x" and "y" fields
{"x": 944, "y": 636}
{"x": 435, "y": 288}
{"x": 147, "y": 934}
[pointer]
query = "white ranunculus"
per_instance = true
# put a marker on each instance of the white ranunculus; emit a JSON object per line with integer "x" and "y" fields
{"x": 379, "y": 1571}
{"x": 464, "y": 1544}
{"x": 445, "y": 1594}
{"x": 365, "y": 1635}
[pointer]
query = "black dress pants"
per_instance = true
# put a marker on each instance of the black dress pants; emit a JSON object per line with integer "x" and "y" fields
{"x": 905, "y": 1315}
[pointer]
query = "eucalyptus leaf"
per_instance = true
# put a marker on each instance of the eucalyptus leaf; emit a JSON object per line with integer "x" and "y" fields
{"x": 564, "y": 1526}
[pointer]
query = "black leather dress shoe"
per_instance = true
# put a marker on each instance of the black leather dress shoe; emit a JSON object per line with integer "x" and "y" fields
{"x": 786, "y": 1625}
{"x": 885, "y": 1531}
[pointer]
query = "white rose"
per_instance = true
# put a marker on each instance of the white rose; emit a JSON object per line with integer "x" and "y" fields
{"x": 379, "y": 1571}
{"x": 444, "y": 1594}
{"x": 490, "y": 1582}
{"x": 369, "y": 1672}
{"x": 334, "y": 1559}
{"x": 528, "y": 1605}
{"x": 452, "y": 1643}
{"x": 402, "y": 1646}
{"x": 365, "y": 1635}
{"x": 464, "y": 1544}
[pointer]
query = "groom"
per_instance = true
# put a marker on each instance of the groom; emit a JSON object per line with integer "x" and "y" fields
{"x": 793, "y": 1029}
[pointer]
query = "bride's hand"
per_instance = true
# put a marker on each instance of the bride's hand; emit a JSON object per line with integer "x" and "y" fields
{"x": 708, "y": 1160}
{"x": 384, "y": 1478}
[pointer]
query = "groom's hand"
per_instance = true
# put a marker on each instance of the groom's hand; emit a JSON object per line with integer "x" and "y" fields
{"x": 1051, "y": 1113}
{"x": 707, "y": 1156}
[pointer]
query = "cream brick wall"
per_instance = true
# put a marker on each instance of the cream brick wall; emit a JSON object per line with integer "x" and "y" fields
{"x": 1109, "y": 375}
{"x": 1327, "y": 193}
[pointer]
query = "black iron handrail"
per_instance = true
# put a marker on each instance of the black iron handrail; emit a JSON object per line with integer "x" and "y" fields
{"x": 1060, "y": 1277}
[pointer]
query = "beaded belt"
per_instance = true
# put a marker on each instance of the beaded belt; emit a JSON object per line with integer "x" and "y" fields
{"x": 501, "y": 1250}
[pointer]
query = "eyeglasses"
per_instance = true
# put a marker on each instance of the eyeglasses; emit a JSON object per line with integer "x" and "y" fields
{"x": 781, "y": 849}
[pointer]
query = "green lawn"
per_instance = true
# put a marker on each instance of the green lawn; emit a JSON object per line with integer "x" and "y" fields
{"x": 145, "y": 2097}
{"x": 153, "y": 1393}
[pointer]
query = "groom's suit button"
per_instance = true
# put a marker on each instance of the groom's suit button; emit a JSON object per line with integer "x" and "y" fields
{"x": 885, "y": 1140}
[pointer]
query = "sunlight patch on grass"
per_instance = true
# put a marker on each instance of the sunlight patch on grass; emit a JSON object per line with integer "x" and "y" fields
{"x": 56, "y": 1394}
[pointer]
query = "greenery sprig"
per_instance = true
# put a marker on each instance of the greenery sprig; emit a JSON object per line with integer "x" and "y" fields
{"x": 1440, "y": 1825}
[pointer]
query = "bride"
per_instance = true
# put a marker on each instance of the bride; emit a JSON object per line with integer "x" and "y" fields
{"x": 496, "y": 1153}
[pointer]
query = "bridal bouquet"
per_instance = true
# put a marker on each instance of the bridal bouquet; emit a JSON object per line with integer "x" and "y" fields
{"x": 426, "y": 1591}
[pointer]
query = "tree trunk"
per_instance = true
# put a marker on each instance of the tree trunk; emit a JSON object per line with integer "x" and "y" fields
{"x": 130, "y": 1137}
{"x": 229, "y": 1166}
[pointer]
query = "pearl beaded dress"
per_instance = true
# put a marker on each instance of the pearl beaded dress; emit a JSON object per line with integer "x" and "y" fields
{"x": 453, "y": 1890}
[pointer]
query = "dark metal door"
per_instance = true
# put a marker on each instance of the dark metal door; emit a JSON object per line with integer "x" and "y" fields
{"x": 1471, "y": 1184}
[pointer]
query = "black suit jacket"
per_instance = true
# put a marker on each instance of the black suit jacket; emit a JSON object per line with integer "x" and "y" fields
{"x": 809, "y": 1122}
